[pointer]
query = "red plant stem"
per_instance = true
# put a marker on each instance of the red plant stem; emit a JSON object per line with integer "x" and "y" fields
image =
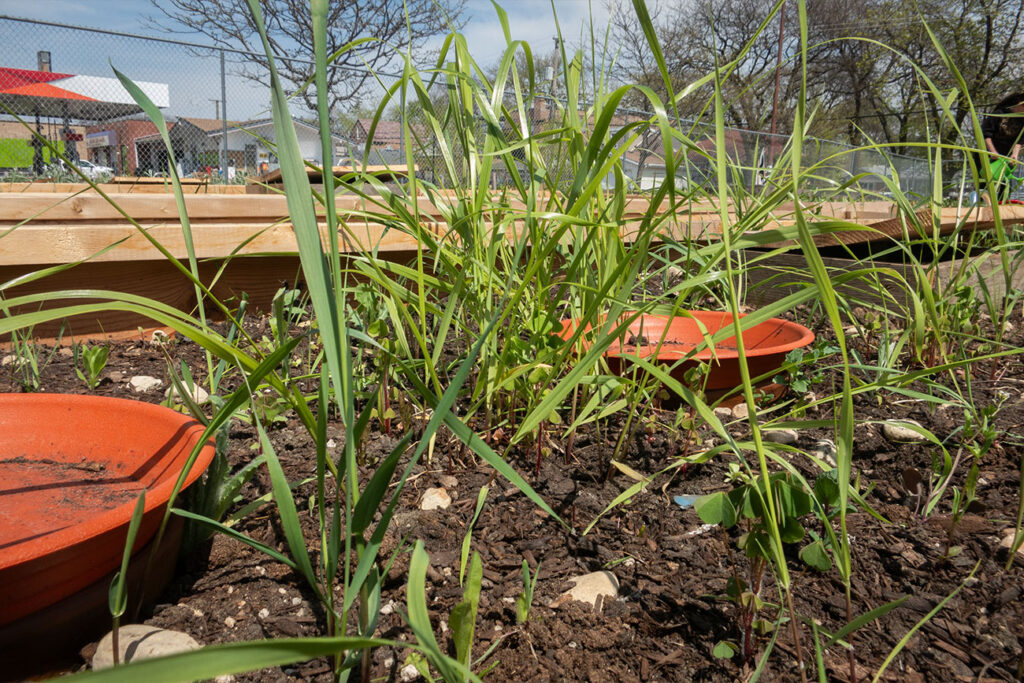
{"x": 748, "y": 635}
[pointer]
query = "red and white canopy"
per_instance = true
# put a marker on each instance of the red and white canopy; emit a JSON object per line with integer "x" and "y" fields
{"x": 25, "y": 92}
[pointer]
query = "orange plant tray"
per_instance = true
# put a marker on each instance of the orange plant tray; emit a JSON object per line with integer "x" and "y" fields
{"x": 671, "y": 339}
{"x": 71, "y": 469}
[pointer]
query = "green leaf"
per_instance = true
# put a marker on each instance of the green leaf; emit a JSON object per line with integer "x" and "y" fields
{"x": 481, "y": 496}
{"x": 215, "y": 660}
{"x": 826, "y": 490}
{"x": 463, "y": 617}
{"x": 791, "y": 530}
{"x": 724, "y": 650}
{"x": 815, "y": 555}
{"x": 863, "y": 619}
{"x": 117, "y": 597}
{"x": 716, "y": 508}
{"x": 377, "y": 487}
{"x": 419, "y": 617}
{"x": 287, "y": 511}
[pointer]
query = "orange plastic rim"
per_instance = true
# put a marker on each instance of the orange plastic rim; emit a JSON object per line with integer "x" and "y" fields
{"x": 71, "y": 469}
{"x": 671, "y": 339}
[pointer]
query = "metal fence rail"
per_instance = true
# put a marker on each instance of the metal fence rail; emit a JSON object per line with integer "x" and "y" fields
{"x": 57, "y": 80}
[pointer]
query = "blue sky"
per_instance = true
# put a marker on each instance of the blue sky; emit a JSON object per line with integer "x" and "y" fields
{"x": 194, "y": 82}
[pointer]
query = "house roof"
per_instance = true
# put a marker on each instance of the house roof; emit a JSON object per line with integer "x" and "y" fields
{"x": 385, "y": 132}
{"x": 208, "y": 125}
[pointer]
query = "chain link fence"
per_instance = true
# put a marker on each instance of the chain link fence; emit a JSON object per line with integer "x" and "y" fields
{"x": 57, "y": 80}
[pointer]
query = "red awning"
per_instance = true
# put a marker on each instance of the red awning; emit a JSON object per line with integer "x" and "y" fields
{"x": 59, "y": 95}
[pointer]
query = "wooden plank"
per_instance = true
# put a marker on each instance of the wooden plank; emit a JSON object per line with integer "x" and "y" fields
{"x": 127, "y": 187}
{"x": 771, "y": 279}
{"x": 155, "y": 180}
{"x": 33, "y": 244}
{"x": 90, "y": 206}
{"x": 66, "y": 228}
{"x": 62, "y": 228}
{"x": 316, "y": 174}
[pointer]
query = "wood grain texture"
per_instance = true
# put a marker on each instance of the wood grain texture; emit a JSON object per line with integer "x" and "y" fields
{"x": 257, "y": 277}
{"x": 38, "y": 229}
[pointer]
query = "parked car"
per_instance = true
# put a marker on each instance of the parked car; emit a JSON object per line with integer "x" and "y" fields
{"x": 94, "y": 171}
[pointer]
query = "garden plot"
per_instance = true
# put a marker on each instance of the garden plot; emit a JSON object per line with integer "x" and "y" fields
{"x": 672, "y": 571}
{"x": 418, "y": 476}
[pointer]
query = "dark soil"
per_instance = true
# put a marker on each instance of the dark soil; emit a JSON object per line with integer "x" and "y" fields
{"x": 672, "y": 570}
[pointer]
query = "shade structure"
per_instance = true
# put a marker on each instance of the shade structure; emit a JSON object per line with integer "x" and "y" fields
{"x": 69, "y": 96}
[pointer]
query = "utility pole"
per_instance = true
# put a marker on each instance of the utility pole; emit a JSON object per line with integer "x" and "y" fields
{"x": 216, "y": 108}
{"x": 224, "y": 121}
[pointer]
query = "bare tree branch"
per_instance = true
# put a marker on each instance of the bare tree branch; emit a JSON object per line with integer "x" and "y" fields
{"x": 229, "y": 24}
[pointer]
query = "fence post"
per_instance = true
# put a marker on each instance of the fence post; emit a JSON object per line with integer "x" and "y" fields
{"x": 224, "y": 119}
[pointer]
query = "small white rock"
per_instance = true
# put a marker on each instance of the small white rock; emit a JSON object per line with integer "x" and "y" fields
{"x": 296, "y": 602}
{"x": 787, "y": 437}
{"x": 159, "y": 337}
{"x": 229, "y": 622}
{"x": 1007, "y": 542}
{"x": 898, "y": 432}
{"x": 435, "y": 498}
{"x": 825, "y": 450}
{"x": 142, "y": 384}
{"x": 331, "y": 443}
{"x": 675, "y": 273}
{"x": 589, "y": 587}
{"x": 740, "y": 411}
{"x": 136, "y": 642}
{"x": 387, "y": 608}
{"x": 11, "y": 359}
{"x": 198, "y": 394}
{"x": 264, "y": 613}
{"x": 408, "y": 673}
{"x": 723, "y": 413}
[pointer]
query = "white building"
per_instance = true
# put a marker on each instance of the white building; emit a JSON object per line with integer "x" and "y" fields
{"x": 248, "y": 148}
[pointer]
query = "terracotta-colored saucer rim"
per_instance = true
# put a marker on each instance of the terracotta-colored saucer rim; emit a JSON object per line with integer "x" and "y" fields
{"x": 156, "y": 496}
{"x": 670, "y": 351}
